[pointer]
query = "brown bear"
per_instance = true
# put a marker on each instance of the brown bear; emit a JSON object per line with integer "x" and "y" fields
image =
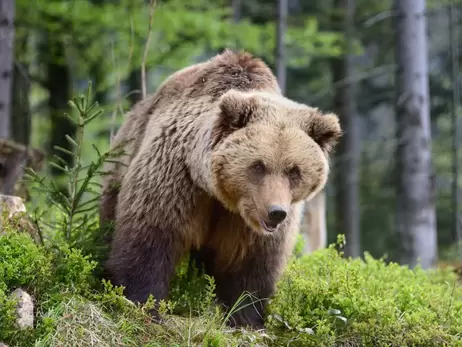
{"x": 219, "y": 163}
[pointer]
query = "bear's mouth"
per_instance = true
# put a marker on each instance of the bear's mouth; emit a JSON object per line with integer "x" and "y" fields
{"x": 269, "y": 226}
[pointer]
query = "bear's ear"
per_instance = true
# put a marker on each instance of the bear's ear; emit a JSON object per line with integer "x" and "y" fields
{"x": 324, "y": 129}
{"x": 236, "y": 109}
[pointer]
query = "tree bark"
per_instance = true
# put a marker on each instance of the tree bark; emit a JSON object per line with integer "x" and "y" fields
{"x": 348, "y": 149}
{"x": 416, "y": 216}
{"x": 6, "y": 64}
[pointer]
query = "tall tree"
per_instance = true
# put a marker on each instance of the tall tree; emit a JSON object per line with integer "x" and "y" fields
{"x": 416, "y": 217}
{"x": 21, "y": 115}
{"x": 6, "y": 64}
{"x": 348, "y": 150}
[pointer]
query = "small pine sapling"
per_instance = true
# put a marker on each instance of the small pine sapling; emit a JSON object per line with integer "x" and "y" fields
{"x": 79, "y": 203}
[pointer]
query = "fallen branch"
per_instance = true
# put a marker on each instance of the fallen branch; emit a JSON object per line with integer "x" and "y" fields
{"x": 152, "y": 5}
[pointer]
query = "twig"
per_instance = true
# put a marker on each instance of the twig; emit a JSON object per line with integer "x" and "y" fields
{"x": 152, "y": 5}
{"x": 378, "y": 18}
{"x": 117, "y": 101}
{"x": 377, "y": 71}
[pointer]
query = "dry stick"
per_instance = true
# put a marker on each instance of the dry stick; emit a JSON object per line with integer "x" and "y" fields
{"x": 117, "y": 105}
{"x": 132, "y": 43}
{"x": 117, "y": 101}
{"x": 377, "y": 71}
{"x": 152, "y": 5}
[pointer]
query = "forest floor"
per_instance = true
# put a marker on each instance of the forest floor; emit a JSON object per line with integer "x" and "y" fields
{"x": 323, "y": 299}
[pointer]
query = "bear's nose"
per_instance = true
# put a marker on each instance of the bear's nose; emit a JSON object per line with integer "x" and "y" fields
{"x": 277, "y": 214}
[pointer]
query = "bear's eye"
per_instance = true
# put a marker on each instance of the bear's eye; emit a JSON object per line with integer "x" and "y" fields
{"x": 294, "y": 173}
{"x": 258, "y": 167}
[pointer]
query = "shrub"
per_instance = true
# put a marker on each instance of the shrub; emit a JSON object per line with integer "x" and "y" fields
{"x": 325, "y": 300}
{"x": 48, "y": 273}
{"x": 22, "y": 263}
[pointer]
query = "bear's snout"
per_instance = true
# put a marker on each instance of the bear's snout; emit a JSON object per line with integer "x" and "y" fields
{"x": 277, "y": 214}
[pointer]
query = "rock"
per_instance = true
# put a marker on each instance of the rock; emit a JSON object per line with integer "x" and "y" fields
{"x": 13, "y": 204}
{"x": 3, "y": 345}
{"x": 13, "y": 212}
{"x": 24, "y": 309}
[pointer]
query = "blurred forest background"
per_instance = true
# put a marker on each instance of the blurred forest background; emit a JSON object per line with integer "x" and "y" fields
{"x": 342, "y": 55}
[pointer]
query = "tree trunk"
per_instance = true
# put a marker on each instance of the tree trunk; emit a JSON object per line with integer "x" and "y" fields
{"x": 348, "y": 149}
{"x": 6, "y": 64}
{"x": 416, "y": 216}
{"x": 134, "y": 86}
{"x": 313, "y": 225}
{"x": 21, "y": 121}
{"x": 58, "y": 80}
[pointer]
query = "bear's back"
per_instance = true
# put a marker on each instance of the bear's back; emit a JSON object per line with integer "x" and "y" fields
{"x": 208, "y": 80}
{"x": 175, "y": 111}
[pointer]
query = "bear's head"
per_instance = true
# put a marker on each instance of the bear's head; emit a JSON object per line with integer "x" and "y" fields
{"x": 269, "y": 153}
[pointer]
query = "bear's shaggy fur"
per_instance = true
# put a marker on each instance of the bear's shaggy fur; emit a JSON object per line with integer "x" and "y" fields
{"x": 220, "y": 164}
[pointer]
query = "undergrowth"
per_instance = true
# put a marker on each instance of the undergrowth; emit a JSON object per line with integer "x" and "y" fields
{"x": 322, "y": 299}
{"x": 326, "y": 300}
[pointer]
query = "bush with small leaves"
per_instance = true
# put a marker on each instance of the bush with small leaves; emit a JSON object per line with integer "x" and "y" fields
{"x": 49, "y": 273}
{"x": 326, "y": 300}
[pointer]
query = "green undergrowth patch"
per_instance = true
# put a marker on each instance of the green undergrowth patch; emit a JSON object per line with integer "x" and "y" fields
{"x": 322, "y": 300}
{"x": 325, "y": 300}
{"x": 74, "y": 308}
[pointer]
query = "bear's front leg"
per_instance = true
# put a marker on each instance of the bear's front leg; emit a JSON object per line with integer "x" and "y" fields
{"x": 143, "y": 259}
{"x": 256, "y": 275}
